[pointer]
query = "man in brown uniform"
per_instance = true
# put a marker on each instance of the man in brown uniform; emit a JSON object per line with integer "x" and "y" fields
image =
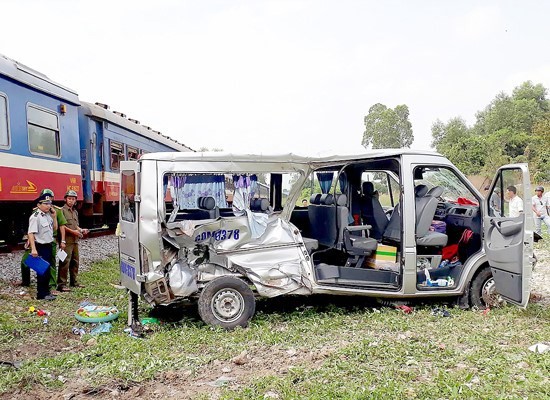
{"x": 73, "y": 232}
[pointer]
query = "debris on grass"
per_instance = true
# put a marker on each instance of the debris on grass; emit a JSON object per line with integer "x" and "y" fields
{"x": 101, "y": 328}
{"x": 440, "y": 312}
{"x": 150, "y": 321}
{"x": 78, "y": 331}
{"x": 132, "y": 333}
{"x": 405, "y": 309}
{"x": 12, "y": 364}
{"x": 539, "y": 348}
{"x": 241, "y": 359}
{"x": 221, "y": 381}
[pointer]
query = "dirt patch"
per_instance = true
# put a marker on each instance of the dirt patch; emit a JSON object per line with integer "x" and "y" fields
{"x": 187, "y": 384}
{"x": 540, "y": 280}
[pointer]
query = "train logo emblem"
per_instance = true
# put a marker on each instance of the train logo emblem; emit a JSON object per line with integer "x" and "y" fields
{"x": 21, "y": 189}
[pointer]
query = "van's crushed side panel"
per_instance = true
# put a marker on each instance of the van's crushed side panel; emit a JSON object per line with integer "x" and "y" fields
{"x": 274, "y": 262}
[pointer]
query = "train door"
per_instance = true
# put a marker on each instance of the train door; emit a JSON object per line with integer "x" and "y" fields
{"x": 128, "y": 236}
{"x": 508, "y": 228}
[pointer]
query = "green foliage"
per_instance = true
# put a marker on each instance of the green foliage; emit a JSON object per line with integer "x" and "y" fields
{"x": 456, "y": 141}
{"x": 510, "y": 129}
{"x": 387, "y": 128}
{"x": 538, "y": 151}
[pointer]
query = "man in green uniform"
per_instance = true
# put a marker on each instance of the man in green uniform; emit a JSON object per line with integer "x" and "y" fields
{"x": 73, "y": 232}
{"x": 61, "y": 222}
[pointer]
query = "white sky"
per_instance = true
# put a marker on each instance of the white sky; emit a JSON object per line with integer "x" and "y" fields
{"x": 281, "y": 76}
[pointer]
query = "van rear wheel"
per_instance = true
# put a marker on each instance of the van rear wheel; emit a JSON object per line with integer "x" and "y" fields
{"x": 483, "y": 293}
{"x": 227, "y": 302}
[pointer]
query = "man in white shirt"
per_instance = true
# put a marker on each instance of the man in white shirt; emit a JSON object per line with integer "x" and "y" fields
{"x": 516, "y": 203}
{"x": 540, "y": 205}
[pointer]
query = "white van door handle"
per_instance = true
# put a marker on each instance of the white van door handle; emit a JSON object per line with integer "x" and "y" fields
{"x": 123, "y": 235}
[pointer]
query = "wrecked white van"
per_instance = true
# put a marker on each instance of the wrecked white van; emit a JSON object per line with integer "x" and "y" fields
{"x": 221, "y": 229}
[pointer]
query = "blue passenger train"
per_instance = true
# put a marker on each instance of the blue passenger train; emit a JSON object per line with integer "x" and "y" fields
{"x": 49, "y": 138}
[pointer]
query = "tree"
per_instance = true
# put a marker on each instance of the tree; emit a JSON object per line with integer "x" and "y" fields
{"x": 387, "y": 128}
{"x": 538, "y": 150}
{"x": 512, "y": 128}
{"x": 459, "y": 144}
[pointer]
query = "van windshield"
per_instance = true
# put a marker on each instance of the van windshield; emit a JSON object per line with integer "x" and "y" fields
{"x": 454, "y": 189}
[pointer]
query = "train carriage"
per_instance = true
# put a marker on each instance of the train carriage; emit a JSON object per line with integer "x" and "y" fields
{"x": 106, "y": 138}
{"x": 49, "y": 138}
{"x": 38, "y": 129}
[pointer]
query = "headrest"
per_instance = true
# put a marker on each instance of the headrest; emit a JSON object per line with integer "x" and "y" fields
{"x": 259, "y": 204}
{"x": 436, "y": 191}
{"x": 341, "y": 200}
{"x": 206, "y": 203}
{"x": 315, "y": 198}
{"x": 327, "y": 199}
{"x": 368, "y": 188}
{"x": 420, "y": 190}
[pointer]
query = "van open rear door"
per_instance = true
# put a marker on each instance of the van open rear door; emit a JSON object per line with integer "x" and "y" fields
{"x": 508, "y": 229}
{"x": 128, "y": 217}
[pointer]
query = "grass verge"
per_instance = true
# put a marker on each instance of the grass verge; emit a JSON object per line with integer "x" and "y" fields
{"x": 306, "y": 348}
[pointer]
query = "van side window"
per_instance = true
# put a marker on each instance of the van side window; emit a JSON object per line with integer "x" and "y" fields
{"x": 127, "y": 196}
{"x": 386, "y": 187}
{"x": 506, "y": 198}
{"x": 186, "y": 195}
{"x": 4, "y": 126}
{"x": 43, "y": 128}
{"x": 117, "y": 154}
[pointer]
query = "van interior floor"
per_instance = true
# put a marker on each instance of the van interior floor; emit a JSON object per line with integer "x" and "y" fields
{"x": 350, "y": 276}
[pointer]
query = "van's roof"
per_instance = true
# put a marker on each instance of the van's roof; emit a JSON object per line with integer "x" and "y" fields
{"x": 282, "y": 158}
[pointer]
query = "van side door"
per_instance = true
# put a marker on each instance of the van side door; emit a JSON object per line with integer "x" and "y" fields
{"x": 508, "y": 232}
{"x": 128, "y": 228}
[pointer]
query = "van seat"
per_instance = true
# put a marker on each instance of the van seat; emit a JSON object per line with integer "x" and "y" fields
{"x": 311, "y": 244}
{"x": 259, "y": 205}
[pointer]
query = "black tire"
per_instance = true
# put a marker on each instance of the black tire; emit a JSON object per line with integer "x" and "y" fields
{"x": 227, "y": 302}
{"x": 482, "y": 291}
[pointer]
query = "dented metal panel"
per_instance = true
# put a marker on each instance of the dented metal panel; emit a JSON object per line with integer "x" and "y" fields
{"x": 265, "y": 248}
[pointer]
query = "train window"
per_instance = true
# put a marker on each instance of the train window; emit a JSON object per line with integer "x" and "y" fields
{"x": 133, "y": 153}
{"x": 43, "y": 128}
{"x": 117, "y": 155}
{"x": 4, "y": 127}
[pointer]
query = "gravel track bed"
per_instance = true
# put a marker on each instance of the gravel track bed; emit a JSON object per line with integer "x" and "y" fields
{"x": 91, "y": 250}
{"x": 96, "y": 249}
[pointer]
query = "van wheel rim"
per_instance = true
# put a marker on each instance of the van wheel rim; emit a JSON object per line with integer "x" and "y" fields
{"x": 227, "y": 305}
{"x": 489, "y": 294}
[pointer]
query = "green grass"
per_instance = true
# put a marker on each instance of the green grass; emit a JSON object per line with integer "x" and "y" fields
{"x": 343, "y": 352}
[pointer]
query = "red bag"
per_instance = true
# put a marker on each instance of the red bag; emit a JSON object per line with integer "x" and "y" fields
{"x": 449, "y": 251}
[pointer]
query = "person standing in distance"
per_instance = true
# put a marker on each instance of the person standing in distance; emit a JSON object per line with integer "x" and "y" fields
{"x": 73, "y": 232}
{"x": 540, "y": 205}
{"x": 516, "y": 203}
{"x": 42, "y": 224}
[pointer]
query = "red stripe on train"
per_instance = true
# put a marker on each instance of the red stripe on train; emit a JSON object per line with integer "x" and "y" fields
{"x": 110, "y": 189}
{"x": 20, "y": 184}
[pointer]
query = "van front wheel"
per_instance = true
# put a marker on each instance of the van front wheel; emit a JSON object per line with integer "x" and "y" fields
{"x": 227, "y": 302}
{"x": 483, "y": 293}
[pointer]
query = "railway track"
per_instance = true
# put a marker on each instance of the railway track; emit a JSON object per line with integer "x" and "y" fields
{"x": 6, "y": 248}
